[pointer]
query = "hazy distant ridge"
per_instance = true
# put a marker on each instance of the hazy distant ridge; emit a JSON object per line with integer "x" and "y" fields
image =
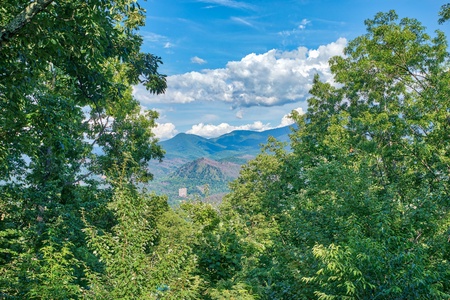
{"x": 193, "y": 162}
{"x": 239, "y": 142}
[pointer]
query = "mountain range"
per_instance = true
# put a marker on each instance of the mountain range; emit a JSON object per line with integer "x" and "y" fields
{"x": 204, "y": 167}
{"x": 234, "y": 143}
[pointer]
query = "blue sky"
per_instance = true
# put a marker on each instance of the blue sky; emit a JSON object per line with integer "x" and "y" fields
{"x": 247, "y": 64}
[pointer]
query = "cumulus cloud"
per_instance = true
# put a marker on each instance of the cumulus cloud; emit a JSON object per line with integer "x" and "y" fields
{"x": 269, "y": 79}
{"x": 164, "y": 131}
{"x": 286, "y": 120}
{"x": 198, "y": 60}
{"x": 209, "y": 130}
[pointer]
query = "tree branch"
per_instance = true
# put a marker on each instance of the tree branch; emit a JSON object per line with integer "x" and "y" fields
{"x": 25, "y": 17}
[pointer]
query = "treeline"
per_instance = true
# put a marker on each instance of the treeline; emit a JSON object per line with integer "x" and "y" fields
{"x": 358, "y": 210}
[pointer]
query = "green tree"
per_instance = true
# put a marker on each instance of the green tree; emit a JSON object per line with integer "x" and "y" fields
{"x": 258, "y": 212}
{"x": 360, "y": 208}
{"x": 444, "y": 13}
{"x": 218, "y": 251}
{"x": 374, "y": 153}
{"x": 125, "y": 249}
{"x": 67, "y": 119}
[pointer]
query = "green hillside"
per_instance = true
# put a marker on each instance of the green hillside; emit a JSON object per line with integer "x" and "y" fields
{"x": 190, "y": 146}
{"x": 193, "y": 161}
{"x": 201, "y": 177}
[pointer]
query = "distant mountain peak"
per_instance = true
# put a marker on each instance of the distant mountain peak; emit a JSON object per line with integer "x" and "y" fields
{"x": 205, "y": 169}
{"x": 239, "y": 142}
{"x": 192, "y": 161}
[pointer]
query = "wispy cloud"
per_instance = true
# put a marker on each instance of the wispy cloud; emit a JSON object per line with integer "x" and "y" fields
{"x": 301, "y": 26}
{"x": 331, "y": 22}
{"x": 242, "y": 21}
{"x": 154, "y": 38}
{"x": 168, "y": 45}
{"x": 198, "y": 60}
{"x": 229, "y": 3}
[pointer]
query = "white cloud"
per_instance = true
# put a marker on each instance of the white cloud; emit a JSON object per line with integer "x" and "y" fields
{"x": 303, "y": 24}
{"x": 242, "y": 21}
{"x": 286, "y": 120}
{"x": 269, "y": 79}
{"x": 155, "y": 38}
{"x": 209, "y": 130}
{"x": 165, "y": 131}
{"x": 296, "y": 31}
{"x": 198, "y": 60}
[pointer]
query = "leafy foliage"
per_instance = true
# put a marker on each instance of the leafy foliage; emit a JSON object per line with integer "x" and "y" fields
{"x": 67, "y": 120}
{"x": 359, "y": 209}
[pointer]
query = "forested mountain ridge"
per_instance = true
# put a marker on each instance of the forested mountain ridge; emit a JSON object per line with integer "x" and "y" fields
{"x": 235, "y": 143}
{"x": 192, "y": 161}
{"x": 207, "y": 169}
{"x": 202, "y": 178}
{"x": 357, "y": 208}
